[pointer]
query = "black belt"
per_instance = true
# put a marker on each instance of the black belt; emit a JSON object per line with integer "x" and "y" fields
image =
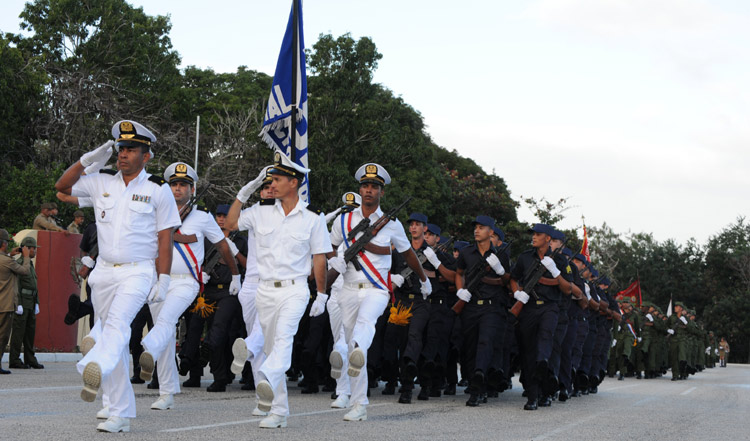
{"x": 436, "y": 301}
{"x": 482, "y": 302}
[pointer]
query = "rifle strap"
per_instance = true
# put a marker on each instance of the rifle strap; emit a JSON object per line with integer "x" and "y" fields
{"x": 377, "y": 249}
{"x": 369, "y": 270}
{"x": 492, "y": 281}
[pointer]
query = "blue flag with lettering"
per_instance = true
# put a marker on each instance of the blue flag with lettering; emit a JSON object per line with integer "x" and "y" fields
{"x": 277, "y": 119}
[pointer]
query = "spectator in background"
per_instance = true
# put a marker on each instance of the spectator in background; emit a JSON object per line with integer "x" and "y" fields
{"x": 45, "y": 220}
{"x": 9, "y": 269}
{"x": 24, "y": 323}
{"x": 75, "y": 226}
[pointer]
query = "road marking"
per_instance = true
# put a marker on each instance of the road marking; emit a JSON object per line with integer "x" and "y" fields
{"x": 257, "y": 420}
{"x": 38, "y": 389}
{"x": 619, "y": 387}
{"x": 688, "y": 391}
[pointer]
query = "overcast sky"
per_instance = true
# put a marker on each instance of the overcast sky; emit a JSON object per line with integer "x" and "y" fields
{"x": 637, "y": 109}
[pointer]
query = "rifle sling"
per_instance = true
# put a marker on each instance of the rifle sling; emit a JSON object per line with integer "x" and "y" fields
{"x": 377, "y": 249}
{"x": 492, "y": 281}
{"x": 185, "y": 238}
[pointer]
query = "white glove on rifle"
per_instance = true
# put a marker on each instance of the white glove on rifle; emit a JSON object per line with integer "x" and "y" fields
{"x": 650, "y": 317}
{"x": 205, "y": 277}
{"x": 88, "y": 261}
{"x": 232, "y": 247}
{"x": 587, "y": 290}
{"x": 252, "y": 186}
{"x": 639, "y": 339}
{"x": 159, "y": 291}
{"x": 614, "y": 342}
{"x": 101, "y": 153}
{"x": 397, "y": 280}
{"x": 551, "y": 267}
{"x": 319, "y": 305}
{"x": 426, "y": 288}
{"x": 36, "y": 309}
{"x": 429, "y": 253}
{"x": 521, "y": 296}
{"x": 19, "y": 311}
{"x": 670, "y": 331}
{"x": 337, "y": 263}
{"x": 683, "y": 320}
{"x": 235, "y": 285}
{"x": 464, "y": 294}
{"x": 708, "y": 351}
{"x": 495, "y": 264}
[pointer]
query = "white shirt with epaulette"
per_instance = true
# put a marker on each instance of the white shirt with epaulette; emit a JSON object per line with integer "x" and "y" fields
{"x": 284, "y": 244}
{"x": 128, "y": 217}
{"x": 202, "y": 224}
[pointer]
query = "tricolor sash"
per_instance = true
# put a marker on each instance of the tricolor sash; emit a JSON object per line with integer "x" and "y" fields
{"x": 372, "y": 273}
{"x": 191, "y": 261}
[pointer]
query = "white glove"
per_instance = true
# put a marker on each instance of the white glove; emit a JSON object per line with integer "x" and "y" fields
{"x": 159, "y": 291}
{"x": 587, "y": 290}
{"x": 614, "y": 342}
{"x": 101, "y": 153}
{"x": 330, "y": 216}
{"x": 19, "y": 311}
{"x": 232, "y": 247}
{"x": 235, "y": 285}
{"x": 650, "y": 317}
{"x": 88, "y": 261}
{"x": 708, "y": 351}
{"x": 551, "y": 267}
{"x": 670, "y": 331}
{"x": 639, "y": 339}
{"x": 426, "y": 288}
{"x": 36, "y": 309}
{"x": 683, "y": 320}
{"x": 709, "y": 348}
{"x": 337, "y": 263}
{"x": 250, "y": 187}
{"x": 319, "y": 305}
{"x": 464, "y": 294}
{"x": 429, "y": 253}
{"x": 205, "y": 277}
{"x": 716, "y": 351}
{"x": 521, "y": 296}
{"x": 495, "y": 264}
{"x": 397, "y": 279}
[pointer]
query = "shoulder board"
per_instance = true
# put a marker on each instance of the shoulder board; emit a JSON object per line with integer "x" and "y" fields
{"x": 157, "y": 179}
{"x": 108, "y": 171}
{"x": 347, "y": 209}
{"x": 314, "y": 209}
{"x": 201, "y": 208}
{"x": 269, "y": 201}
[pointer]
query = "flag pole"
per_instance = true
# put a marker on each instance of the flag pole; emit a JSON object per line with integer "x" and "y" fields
{"x": 295, "y": 66}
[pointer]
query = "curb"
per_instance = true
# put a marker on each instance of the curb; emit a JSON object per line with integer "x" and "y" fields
{"x": 53, "y": 357}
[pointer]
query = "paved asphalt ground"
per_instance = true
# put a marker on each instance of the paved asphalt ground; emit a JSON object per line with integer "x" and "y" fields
{"x": 715, "y": 404}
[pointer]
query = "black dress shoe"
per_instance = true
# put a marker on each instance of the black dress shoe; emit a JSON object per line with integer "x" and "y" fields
{"x": 389, "y": 389}
{"x": 249, "y": 385}
{"x": 577, "y": 393}
{"x": 184, "y": 367}
{"x": 545, "y": 401}
{"x": 409, "y": 372}
{"x": 136, "y": 378}
{"x": 310, "y": 388}
{"x": 450, "y": 389}
{"x": 424, "y": 394}
{"x": 593, "y": 389}
{"x": 4, "y": 372}
{"x": 435, "y": 392}
{"x": 192, "y": 382}
{"x": 620, "y": 377}
{"x": 530, "y": 405}
{"x": 18, "y": 366}
{"x": 473, "y": 400}
{"x": 153, "y": 385}
{"x": 405, "y": 397}
{"x": 74, "y": 303}
{"x": 217, "y": 386}
{"x": 563, "y": 397}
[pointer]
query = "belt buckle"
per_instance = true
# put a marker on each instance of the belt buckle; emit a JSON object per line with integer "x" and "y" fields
{"x": 362, "y": 285}
{"x": 411, "y": 296}
{"x": 220, "y": 286}
{"x": 480, "y": 302}
{"x": 540, "y": 302}
{"x": 116, "y": 265}
{"x": 277, "y": 284}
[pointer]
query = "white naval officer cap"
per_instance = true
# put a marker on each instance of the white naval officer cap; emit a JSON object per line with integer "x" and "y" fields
{"x": 129, "y": 133}
{"x": 179, "y": 171}
{"x": 284, "y": 166}
{"x": 372, "y": 172}
{"x": 352, "y": 198}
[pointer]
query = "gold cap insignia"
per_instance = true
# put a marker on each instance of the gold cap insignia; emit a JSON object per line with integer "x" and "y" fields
{"x": 126, "y": 126}
{"x": 349, "y": 197}
{"x": 371, "y": 170}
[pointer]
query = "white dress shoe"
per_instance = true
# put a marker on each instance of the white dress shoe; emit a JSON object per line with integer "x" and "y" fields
{"x": 87, "y": 343}
{"x": 147, "y": 365}
{"x": 92, "y": 379}
{"x": 114, "y": 424}
{"x": 356, "y": 362}
{"x": 342, "y": 402}
{"x": 258, "y": 412}
{"x": 103, "y": 414}
{"x": 337, "y": 362}
{"x": 358, "y": 413}
{"x": 240, "y": 352}
{"x": 273, "y": 421}
{"x": 164, "y": 402}
{"x": 265, "y": 395}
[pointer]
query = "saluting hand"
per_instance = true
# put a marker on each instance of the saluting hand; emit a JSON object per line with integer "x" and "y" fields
{"x": 101, "y": 153}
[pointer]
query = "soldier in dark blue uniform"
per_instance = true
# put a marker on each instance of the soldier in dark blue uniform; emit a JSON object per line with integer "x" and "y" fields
{"x": 574, "y": 314}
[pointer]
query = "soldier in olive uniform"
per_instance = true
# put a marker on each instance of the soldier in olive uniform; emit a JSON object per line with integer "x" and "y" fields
{"x": 677, "y": 345}
{"x": 24, "y": 323}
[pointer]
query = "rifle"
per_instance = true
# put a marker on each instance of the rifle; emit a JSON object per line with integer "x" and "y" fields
{"x": 532, "y": 277}
{"x": 213, "y": 255}
{"x": 368, "y": 233}
{"x": 422, "y": 259}
{"x": 475, "y": 274}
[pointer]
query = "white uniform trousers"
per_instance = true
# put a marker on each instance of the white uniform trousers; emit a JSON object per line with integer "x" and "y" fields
{"x": 96, "y": 333}
{"x": 279, "y": 312}
{"x": 117, "y": 294}
{"x": 339, "y": 340}
{"x": 160, "y": 340}
{"x": 360, "y": 309}
{"x": 254, "y": 339}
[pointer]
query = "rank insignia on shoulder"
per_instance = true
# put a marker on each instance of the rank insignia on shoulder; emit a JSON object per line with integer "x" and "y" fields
{"x": 567, "y": 268}
{"x": 347, "y": 208}
{"x": 202, "y": 208}
{"x": 156, "y": 179}
{"x": 268, "y": 201}
{"x": 108, "y": 171}
{"x": 314, "y": 209}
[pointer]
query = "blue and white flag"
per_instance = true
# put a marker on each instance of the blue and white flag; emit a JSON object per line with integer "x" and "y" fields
{"x": 278, "y": 116}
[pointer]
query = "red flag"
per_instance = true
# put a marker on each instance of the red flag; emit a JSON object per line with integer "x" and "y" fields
{"x": 585, "y": 247}
{"x": 631, "y": 293}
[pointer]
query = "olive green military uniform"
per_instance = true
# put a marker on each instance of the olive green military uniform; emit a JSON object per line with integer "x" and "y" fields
{"x": 24, "y": 325}
{"x": 678, "y": 347}
{"x": 9, "y": 271}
